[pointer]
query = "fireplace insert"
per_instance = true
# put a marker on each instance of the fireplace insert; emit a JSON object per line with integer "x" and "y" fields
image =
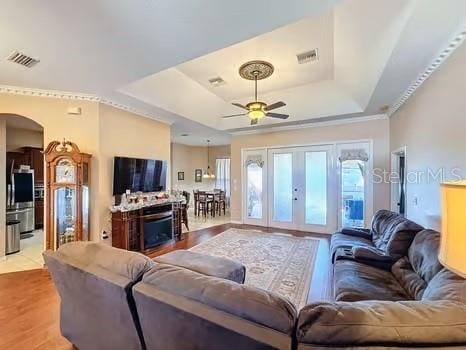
{"x": 157, "y": 226}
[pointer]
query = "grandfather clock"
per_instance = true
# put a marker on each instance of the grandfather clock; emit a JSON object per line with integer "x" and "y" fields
{"x": 67, "y": 193}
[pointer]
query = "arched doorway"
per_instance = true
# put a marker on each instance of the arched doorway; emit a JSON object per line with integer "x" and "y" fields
{"x": 22, "y": 177}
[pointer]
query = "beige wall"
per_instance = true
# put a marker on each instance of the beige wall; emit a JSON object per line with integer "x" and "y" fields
{"x": 124, "y": 134}
{"x": 376, "y": 130}
{"x": 17, "y": 138}
{"x": 188, "y": 158}
{"x": 432, "y": 125}
{"x": 101, "y": 131}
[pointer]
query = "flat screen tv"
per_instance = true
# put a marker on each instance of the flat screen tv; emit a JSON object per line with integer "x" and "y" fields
{"x": 144, "y": 175}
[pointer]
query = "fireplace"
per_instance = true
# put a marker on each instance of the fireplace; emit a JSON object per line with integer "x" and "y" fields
{"x": 157, "y": 226}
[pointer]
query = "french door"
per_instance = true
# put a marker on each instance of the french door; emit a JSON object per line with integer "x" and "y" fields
{"x": 310, "y": 188}
{"x": 302, "y": 188}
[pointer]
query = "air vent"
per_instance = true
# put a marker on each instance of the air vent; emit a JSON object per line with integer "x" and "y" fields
{"x": 307, "y": 57}
{"x": 217, "y": 81}
{"x": 384, "y": 108}
{"x": 22, "y": 59}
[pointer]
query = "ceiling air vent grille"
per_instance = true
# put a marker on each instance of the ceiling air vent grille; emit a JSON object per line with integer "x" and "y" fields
{"x": 309, "y": 56}
{"x": 217, "y": 81}
{"x": 22, "y": 59}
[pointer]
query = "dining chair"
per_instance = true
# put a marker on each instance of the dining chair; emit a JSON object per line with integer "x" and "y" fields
{"x": 220, "y": 203}
{"x": 196, "y": 200}
{"x": 211, "y": 203}
{"x": 205, "y": 203}
{"x": 184, "y": 210}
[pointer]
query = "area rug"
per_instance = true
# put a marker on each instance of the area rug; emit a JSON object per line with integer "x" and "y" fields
{"x": 277, "y": 262}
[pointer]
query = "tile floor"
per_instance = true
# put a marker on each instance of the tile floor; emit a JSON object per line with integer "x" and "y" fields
{"x": 29, "y": 257}
{"x": 200, "y": 222}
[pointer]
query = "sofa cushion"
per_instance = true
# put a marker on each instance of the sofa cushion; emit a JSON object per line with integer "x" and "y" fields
{"x": 340, "y": 240}
{"x": 415, "y": 271}
{"x": 423, "y": 254}
{"x": 393, "y": 233}
{"x": 247, "y": 302}
{"x": 206, "y": 264}
{"x": 90, "y": 255}
{"x": 354, "y": 281}
{"x": 446, "y": 285}
{"x": 383, "y": 325}
{"x": 411, "y": 282}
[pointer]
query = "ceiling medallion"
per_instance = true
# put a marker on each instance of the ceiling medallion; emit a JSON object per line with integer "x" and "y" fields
{"x": 256, "y": 70}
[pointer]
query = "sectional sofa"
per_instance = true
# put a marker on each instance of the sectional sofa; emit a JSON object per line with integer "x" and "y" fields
{"x": 115, "y": 299}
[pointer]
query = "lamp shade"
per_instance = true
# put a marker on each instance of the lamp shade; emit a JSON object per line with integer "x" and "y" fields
{"x": 453, "y": 237}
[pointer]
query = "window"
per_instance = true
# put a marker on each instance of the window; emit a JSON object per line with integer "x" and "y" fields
{"x": 352, "y": 187}
{"x": 222, "y": 175}
{"x": 254, "y": 191}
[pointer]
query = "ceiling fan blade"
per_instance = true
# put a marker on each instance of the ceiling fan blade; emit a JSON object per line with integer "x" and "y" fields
{"x": 254, "y": 121}
{"x": 277, "y": 115}
{"x": 234, "y": 115}
{"x": 275, "y": 105}
{"x": 240, "y": 106}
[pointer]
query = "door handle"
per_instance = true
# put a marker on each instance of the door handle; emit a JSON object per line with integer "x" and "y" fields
{"x": 16, "y": 212}
{"x": 295, "y": 199}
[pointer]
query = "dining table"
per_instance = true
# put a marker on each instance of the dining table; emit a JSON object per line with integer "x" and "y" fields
{"x": 209, "y": 193}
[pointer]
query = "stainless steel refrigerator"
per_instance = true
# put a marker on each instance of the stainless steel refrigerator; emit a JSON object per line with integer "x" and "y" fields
{"x": 20, "y": 198}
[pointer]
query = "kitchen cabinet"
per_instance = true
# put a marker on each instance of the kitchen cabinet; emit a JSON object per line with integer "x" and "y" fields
{"x": 28, "y": 156}
{"x": 35, "y": 159}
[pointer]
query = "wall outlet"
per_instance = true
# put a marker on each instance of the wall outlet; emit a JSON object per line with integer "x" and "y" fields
{"x": 415, "y": 200}
{"x": 104, "y": 235}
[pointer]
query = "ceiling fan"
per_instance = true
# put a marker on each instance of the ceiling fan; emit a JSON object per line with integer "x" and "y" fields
{"x": 256, "y": 110}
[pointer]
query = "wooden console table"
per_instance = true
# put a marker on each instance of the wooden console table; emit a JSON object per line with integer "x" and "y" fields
{"x": 128, "y": 226}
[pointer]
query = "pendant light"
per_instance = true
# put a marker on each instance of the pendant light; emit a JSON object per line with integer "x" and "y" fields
{"x": 208, "y": 174}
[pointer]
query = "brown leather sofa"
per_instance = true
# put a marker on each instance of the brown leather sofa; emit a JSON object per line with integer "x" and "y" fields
{"x": 115, "y": 299}
{"x": 385, "y": 242}
{"x": 418, "y": 304}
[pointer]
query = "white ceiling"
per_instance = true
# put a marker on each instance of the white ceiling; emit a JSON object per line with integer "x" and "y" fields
{"x": 157, "y": 56}
{"x": 276, "y": 47}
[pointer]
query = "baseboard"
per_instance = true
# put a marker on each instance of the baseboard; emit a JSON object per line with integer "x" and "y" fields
{"x": 236, "y": 222}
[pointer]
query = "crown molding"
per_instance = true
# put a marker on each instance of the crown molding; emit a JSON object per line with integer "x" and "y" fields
{"x": 317, "y": 124}
{"x": 133, "y": 110}
{"x": 453, "y": 44}
{"x": 16, "y": 90}
{"x": 65, "y": 95}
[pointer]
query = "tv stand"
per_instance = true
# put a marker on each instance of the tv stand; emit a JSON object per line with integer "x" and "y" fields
{"x": 145, "y": 229}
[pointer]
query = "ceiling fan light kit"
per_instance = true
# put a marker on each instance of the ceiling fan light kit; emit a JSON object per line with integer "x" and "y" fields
{"x": 256, "y": 110}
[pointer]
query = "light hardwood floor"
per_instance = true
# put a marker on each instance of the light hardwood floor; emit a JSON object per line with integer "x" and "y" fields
{"x": 29, "y": 303}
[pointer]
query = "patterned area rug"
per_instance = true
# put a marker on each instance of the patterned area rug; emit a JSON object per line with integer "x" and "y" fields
{"x": 276, "y": 262}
